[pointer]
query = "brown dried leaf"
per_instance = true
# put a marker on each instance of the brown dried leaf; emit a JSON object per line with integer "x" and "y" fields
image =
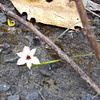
{"x": 57, "y": 12}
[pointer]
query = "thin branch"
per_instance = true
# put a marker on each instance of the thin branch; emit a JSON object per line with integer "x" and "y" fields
{"x": 61, "y": 54}
{"x": 92, "y": 12}
{"x": 2, "y": 45}
{"x": 42, "y": 96}
{"x": 89, "y": 32}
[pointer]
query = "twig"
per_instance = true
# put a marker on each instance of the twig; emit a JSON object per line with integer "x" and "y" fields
{"x": 2, "y": 45}
{"x": 89, "y": 32}
{"x": 42, "y": 96}
{"x": 92, "y": 12}
{"x": 61, "y": 54}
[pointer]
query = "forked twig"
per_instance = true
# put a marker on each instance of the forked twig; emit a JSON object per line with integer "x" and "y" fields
{"x": 61, "y": 54}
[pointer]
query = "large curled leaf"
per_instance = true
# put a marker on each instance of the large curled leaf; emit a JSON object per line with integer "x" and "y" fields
{"x": 61, "y": 13}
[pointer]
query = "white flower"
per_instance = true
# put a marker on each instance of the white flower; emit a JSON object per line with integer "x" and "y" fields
{"x": 26, "y": 57}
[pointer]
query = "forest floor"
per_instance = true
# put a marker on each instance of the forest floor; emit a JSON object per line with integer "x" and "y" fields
{"x": 53, "y": 81}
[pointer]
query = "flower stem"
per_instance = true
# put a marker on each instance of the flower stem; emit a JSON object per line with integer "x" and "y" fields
{"x": 54, "y": 61}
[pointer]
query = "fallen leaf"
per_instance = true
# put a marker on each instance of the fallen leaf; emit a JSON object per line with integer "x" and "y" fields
{"x": 62, "y": 13}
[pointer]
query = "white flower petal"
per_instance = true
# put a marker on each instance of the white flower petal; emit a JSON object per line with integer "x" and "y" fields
{"x": 21, "y": 61}
{"x": 26, "y": 50}
{"x": 33, "y": 51}
{"x": 29, "y": 64}
{"x": 35, "y": 60}
{"x": 21, "y": 54}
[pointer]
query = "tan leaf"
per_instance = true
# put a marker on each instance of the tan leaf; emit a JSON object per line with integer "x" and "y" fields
{"x": 57, "y": 12}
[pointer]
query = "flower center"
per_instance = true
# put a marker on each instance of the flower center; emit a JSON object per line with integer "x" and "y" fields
{"x": 28, "y": 57}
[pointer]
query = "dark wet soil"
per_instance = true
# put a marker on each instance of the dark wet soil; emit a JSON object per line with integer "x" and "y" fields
{"x": 57, "y": 81}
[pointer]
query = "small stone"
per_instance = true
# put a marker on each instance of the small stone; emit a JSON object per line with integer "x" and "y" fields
{"x": 13, "y": 97}
{"x": 90, "y": 97}
{"x": 1, "y": 49}
{"x": 3, "y": 18}
{"x": 36, "y": 42}
{"x": 18, "y": 89}
{"x": 6, "y": 46}
{"x": 34, "y": 95}
{"x": 4, "y": 87}
{"x": 98, "y": 30}
{"x": 66, "y": 87}
{"x": 15, "y": 90}
{"x": 10, "y": 58}
{"x": 45, "y": 73}
{"x": 55, "y": 66}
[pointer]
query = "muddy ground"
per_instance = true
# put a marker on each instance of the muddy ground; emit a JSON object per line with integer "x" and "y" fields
{"x": 57, "y": 81}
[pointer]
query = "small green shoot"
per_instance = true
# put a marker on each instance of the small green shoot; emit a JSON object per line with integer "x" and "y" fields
{"x": 66, "y": 31}
{"x": 70, "y": 28}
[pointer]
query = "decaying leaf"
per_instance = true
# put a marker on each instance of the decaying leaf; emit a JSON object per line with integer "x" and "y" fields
{"x": 61, "y": 13}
